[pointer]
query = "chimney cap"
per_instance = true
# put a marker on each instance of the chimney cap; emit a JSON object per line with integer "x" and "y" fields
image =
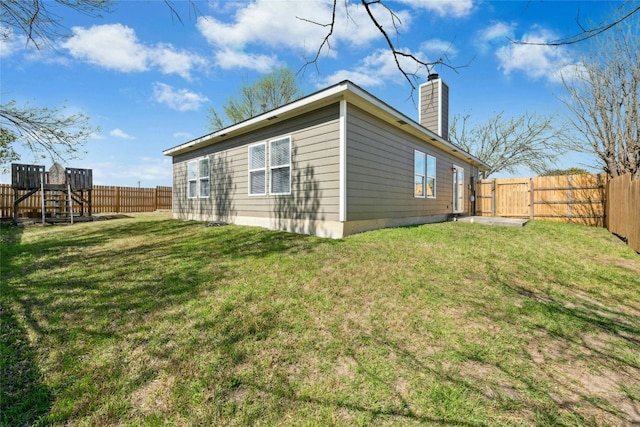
{"x": 433, "y": 76}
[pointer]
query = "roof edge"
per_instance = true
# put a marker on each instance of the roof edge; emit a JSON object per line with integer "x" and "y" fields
{"x": 347, "y": 89}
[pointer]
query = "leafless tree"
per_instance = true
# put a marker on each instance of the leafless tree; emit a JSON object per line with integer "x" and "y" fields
{"x": 505, "y": 144}
{"x": 603, "y": 97}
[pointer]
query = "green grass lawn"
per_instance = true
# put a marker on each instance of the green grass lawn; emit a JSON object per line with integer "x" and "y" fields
{"x": 150, "y": 321}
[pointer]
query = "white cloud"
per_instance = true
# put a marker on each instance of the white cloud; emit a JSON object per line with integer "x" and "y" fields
{"x": 177, "y": 99}
{"x": 183, "y": 135}
{"x": 536, "y": 61}
{"x": 269, "y": 24}
{"x": 229, "y": 59}
{"x": 113, "y": 46}
{"x": 9, "y": 42}
{"x": 141, "y": 169}
{"x": 172, "y": 61}
{"x": 497, "y": 31}
{"x": 291, "y": 26}
{"x": 496, "y": 34}
{"x": 439, "y": 48}
{"x": 374, "y": 70}
{"x": 116, "y": 47}
{"x": 444, "y": 8}
{"x": 118, "y": 133}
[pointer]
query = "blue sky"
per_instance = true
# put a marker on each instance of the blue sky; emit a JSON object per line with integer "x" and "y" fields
{"x": 147, "y": 79}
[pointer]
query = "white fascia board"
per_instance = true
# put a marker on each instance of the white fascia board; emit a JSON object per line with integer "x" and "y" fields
{"x": 260, "y": 120}
{"x": 345, "y": 90}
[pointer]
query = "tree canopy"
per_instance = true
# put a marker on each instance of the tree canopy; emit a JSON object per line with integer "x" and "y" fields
{"x": 275, "y": 89}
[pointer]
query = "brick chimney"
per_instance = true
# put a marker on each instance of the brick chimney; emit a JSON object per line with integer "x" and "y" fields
{"x": 434, "y": 106}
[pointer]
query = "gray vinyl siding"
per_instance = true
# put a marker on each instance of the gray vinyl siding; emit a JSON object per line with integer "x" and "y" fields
{"x": 315, "y": 173}
{"x": 380, "y": 175}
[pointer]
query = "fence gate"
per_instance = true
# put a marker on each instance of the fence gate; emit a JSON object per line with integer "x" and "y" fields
{"x": 509, "y": 197}
{"x": 572, "y": 198}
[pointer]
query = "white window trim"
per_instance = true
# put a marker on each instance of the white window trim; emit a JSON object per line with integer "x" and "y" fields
{"x": 264, "y": 169}
{"x": 460, "y": 209}
{"x": 198, "y": 179}
{"x": 424, "y": 176}
{"x": 428, "y": 175}
{"x": 282, "y": 166}
{"x": 190, "y": 180}
{"x": 204, "y": 178}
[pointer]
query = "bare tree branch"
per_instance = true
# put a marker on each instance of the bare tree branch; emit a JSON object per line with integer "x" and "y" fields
{"x": 585, "y": 34}
{"x": 45, "y": 132}
{"x": 326, "y": 39}
{"x": 603, "y": 98}
{"x": 398, "y": 54}
{"x": 529, "y": 141}
{"x": 39, "y": 22}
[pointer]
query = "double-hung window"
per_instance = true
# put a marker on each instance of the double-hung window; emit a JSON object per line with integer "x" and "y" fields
{"x": 198, "y": 178}
{"x": 431, "y": 176}
{"x": 203, "y": 177}
{"x": 280, "y": 166}
{"x": 418, "y": 172}
{"x": 270, "y": 167}
{"x": 192, "y": 178}
{"x": 424, "y": 175}
{"x": 257, "y": 169}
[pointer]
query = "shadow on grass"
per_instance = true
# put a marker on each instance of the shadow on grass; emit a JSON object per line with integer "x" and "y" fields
{"x": 79, "y": 288}
{"x": 570, "y": 333}
{"x": 24, "y": 399}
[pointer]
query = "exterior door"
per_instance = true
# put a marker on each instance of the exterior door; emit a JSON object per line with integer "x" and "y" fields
{"x": 458, "y": 189}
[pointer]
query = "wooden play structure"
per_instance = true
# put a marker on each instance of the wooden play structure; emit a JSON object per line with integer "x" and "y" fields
{"x": 64, "y": 192}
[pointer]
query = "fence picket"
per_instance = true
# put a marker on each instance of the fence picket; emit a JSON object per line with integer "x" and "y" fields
{"x": 105, "y": 199}
{"x": 573, "y": 198}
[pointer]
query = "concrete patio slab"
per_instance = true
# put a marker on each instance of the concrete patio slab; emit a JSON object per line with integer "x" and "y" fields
{"x": 493, "y": 220}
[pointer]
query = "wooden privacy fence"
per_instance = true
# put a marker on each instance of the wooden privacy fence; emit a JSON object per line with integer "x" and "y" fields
{"x": 623, "y": 209}
{"x": 570, "y": 198}
{"x": 105, "y": 199}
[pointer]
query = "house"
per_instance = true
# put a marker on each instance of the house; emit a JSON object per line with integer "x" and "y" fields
{"x": 334, "y": 163}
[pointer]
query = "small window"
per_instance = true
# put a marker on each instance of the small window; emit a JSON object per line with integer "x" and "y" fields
{"x": 257, "y": 169}
{"x": 431, "y": 177}
{"x": 419, "y": 174}
{"x": 203, "y": 176}
{"x": 280, "y": 166}
{"x": 192, "y": 179}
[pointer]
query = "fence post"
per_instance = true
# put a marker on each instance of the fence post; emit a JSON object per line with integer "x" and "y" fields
{"x": 117, "y": 199}
{"x": 569, "y": 198}
{"x": 532, "y": 199}
{"x": 493, "y": 197}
